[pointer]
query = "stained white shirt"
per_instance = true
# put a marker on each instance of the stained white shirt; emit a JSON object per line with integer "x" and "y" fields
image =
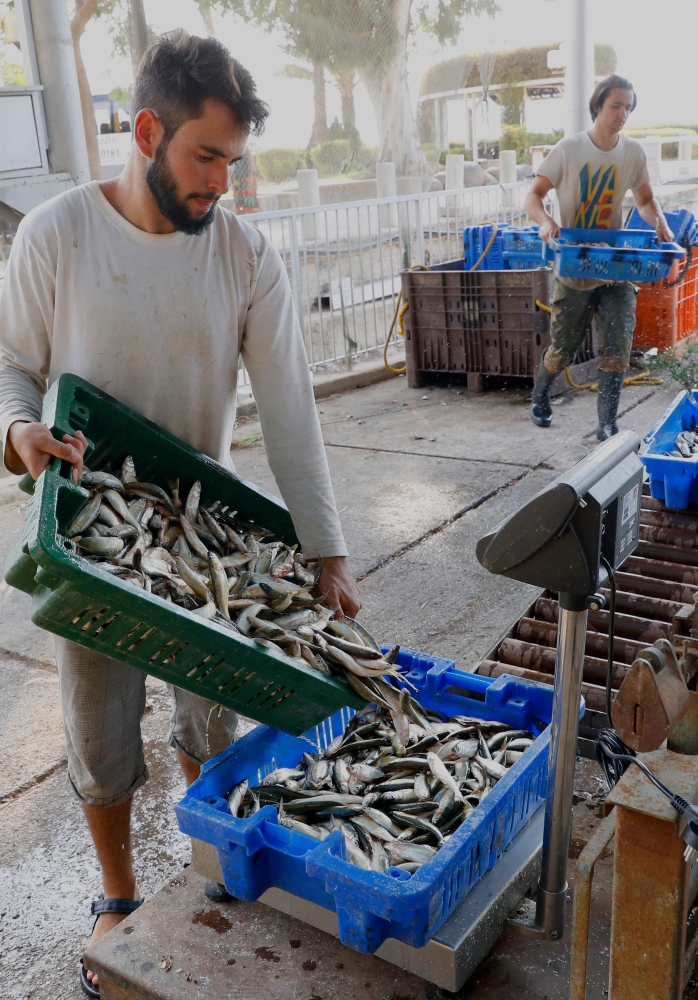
{"x": 591, "y": 184}
{"x": 160, "y": 322}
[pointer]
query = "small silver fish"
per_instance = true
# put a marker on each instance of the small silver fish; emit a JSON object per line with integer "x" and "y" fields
{"x": 236, "y": 796}
{"x": 440, "y": 771}
{"x": 85, "y": 516}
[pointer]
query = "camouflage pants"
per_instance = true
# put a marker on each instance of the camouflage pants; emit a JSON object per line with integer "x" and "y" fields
{"x": 572, "y": 313}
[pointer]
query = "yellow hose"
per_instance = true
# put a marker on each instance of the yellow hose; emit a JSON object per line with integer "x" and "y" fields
{"x": 643, "y": 377}
{"x": 495, "y": 230}
{"x": 400, "y": 310}
{"x": 398, "y": 317}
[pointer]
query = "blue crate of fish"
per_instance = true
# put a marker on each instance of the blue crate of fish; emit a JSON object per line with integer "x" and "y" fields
{"x": 257, "y": 853}
{"x": 673, "y": 478}
{"x": 681, "y": 222}
{"x": 612, "y": 254}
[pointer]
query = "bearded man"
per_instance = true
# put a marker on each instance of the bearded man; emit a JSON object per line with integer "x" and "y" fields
{"x": 146, "y": 287}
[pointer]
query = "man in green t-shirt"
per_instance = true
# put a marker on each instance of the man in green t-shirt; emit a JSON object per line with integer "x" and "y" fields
{"x": 591, "y": 172}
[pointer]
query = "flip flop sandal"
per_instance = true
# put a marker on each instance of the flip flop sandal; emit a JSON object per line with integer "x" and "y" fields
{"x": 100, "y": 906}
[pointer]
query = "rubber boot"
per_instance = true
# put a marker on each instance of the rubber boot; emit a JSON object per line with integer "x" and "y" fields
{"x": 541, "y": 412}
{"x": 610, "y": 384}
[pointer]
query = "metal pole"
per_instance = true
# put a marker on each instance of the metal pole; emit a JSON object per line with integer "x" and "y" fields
{"x": 55, "y": 57}
{"x": 579, "y": 77}
{"x": 552, "y": 885}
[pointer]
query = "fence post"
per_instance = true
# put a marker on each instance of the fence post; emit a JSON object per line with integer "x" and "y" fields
{"x": 386, "y": 187}
{"x": 419, "y": 226}
{"x": 685, "y": 154}
{"x": 507, "y": 175}
{"x": 654, "y": 158}
{"x": 296, "y": 283}
{"x": 308, "y": 197}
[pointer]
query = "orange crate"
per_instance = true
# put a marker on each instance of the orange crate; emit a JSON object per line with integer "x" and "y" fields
{"x": 666, "y": 315}
{"x": 687, "y": 312}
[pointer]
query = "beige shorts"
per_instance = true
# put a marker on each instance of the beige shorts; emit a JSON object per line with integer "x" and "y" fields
{"x": 103, "y": 702}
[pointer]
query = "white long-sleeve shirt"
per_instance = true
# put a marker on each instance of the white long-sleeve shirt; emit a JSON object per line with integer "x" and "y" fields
{"x": 159, "y": 322}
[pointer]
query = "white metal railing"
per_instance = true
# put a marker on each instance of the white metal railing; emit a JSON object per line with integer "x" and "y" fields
{"x": 344, "y": 260}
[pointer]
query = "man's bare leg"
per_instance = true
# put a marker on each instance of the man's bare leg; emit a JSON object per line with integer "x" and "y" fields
{"x": 191, "y": 770}
{"x": 110, "y": 827}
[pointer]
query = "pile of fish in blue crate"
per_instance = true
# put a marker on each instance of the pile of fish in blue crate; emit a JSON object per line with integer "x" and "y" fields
{"x": 612, "y": 254}
{"x": 257, "y": 852}
{"x": 511, "y": 248}
{"x": 520, "y": 248}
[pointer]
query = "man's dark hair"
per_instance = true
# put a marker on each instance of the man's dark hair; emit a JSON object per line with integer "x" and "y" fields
{"x": 604, "y": 88}
{"x": 180, "y": 71}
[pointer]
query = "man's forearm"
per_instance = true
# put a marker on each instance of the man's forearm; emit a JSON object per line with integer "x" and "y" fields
{"x": 651, "y": 212}
{"x": 535, "y": 208}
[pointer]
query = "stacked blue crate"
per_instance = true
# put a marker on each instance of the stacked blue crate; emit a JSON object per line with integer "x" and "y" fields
{"x": 681, "y": 222}
{"x": 514, "y": 248}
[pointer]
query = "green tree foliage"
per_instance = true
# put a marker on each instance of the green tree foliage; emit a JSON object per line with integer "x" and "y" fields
{"x": 371, "y": 36}
{"x": 510, "y": 67}
{"x": 511, "y": 101}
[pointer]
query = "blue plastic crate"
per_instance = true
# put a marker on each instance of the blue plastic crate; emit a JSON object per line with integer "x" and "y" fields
{"x": 633, "y": 255}
{"x": 681, "y": 222}
{"x": 523, "y": 241}
{"x": 257, "y": 853}
{"x": 523, "y": 261}
{"x": 673, "y": 480}
{"x": 475, "y": 240}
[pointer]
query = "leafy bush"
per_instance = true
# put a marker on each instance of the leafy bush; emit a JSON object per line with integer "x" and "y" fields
{"x": 366, "y": 157}
{"x": 516, "y": 137}
{"x": 467, "y": 153}
{"x": 333, "y": 157}
{"x": 277, "y": 165}
{"x": 680, "y": 364}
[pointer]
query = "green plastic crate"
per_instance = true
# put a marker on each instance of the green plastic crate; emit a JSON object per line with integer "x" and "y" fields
{"x": 74, "y": 599}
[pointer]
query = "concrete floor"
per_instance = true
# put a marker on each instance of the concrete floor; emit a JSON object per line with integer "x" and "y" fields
{"x": 419, "y": 476}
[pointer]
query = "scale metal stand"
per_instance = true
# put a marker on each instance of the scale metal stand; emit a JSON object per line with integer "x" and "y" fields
{"x": 556, "y": 541}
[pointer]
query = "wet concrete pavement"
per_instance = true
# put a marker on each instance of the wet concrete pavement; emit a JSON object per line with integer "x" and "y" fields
{"x": 419, "y": 476}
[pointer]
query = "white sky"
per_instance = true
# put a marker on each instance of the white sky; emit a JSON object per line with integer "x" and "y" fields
{"x": 656, "y": 49}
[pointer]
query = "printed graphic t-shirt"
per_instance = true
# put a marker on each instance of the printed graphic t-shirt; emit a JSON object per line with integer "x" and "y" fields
{"x": 591, "y": 184}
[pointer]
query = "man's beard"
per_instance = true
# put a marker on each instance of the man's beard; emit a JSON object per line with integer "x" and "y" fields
{"x": 163, "y": 188}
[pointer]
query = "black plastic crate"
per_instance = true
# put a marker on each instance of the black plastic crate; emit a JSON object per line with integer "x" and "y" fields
{"x": 478, "y": 323}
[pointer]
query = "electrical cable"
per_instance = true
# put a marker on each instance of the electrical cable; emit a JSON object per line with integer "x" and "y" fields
{"x": 613, "y": 756}
{"x": 687, "y": 266}
{"x": 611, "y": 633}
